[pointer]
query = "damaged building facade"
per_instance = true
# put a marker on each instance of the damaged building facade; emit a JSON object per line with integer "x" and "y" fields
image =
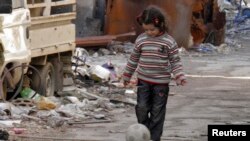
{"x": 190, "y": 22}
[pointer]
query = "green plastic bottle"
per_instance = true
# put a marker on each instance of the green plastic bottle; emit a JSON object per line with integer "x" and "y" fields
{"x": 29, "y": 93}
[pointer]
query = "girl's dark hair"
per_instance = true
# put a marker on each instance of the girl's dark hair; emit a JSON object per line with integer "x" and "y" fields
{"x": 153, "y": 15}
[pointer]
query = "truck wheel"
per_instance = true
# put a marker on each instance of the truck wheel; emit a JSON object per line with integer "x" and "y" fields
{"x": 7, "y": 83}
{"x": 3, "y": 90}
{"x": 47, "y": 86}
{"x": 58, "y": 67}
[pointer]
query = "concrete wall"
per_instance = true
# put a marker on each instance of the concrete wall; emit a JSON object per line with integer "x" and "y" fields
{"x": 86, "y": 24}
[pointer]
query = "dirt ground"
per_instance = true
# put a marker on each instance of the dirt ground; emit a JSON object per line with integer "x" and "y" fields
{"x": 217, "y": 93}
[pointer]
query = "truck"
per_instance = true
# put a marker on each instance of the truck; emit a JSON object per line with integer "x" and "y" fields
{"x": 37, "y": 40}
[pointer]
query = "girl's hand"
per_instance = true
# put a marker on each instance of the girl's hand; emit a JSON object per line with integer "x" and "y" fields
{"x": 125, "y": 83}
{"x": 183, "y": 82}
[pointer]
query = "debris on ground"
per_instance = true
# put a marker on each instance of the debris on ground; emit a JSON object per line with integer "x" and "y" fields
{"x": 94, "y": 91}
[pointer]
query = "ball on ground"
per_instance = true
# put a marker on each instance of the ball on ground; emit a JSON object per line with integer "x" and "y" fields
{"x": 137, "y": 132}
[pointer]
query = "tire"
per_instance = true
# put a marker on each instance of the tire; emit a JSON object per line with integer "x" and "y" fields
{"x": 58, "y": 67}
{"x": 7, "y": 83}
{"x": 3, "y": 90}
{"x": 47, "y": 85}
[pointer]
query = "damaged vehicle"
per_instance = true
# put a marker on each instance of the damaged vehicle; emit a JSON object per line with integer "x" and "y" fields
{"x": 37, "y": 39}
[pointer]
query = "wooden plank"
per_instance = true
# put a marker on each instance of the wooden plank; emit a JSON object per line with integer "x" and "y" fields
{"x": 48, "y": 2}
{"x": 100, "y": 40}
{"x": 91, "y": 95}
{"x": 125, "y": 101}
{"x": 95, "y": 40}
{"x": 46, "y": 11}
{"x": 51, "y": 36}
{"x": 44, "y": 8}
{"x": 37, "y": 5}
{"x": 92, "y": 122}
{"x": 52, "y": 49}
{"x": 53, "y": 18}
{"x": 62, "y": 3}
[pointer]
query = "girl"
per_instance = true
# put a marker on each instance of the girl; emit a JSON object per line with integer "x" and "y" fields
{"x": 155, "y": 58}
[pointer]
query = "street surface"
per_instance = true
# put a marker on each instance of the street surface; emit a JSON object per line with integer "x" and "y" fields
{"x": 217, "y": 93}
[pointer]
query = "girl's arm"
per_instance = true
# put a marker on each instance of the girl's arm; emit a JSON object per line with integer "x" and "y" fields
{"x": 176, "y": 65}
{"x": 132, "y": 63}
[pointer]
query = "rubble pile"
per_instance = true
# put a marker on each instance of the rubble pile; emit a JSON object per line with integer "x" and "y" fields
{"x": 90, "y": 96}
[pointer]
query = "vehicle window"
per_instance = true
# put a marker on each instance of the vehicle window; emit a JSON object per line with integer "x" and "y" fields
{"x": 5, "y": 6}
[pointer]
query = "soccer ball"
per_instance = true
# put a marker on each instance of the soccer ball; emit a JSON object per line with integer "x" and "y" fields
{"x": 137, "y": 132}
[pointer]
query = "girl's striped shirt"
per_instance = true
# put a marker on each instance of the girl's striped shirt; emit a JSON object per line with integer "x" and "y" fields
{"x": 154, "y": 59}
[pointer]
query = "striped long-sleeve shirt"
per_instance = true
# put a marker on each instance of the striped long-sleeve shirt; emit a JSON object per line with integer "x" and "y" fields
{"x": 154, "y": 59}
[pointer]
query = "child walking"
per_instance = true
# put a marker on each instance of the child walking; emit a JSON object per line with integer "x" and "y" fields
{"x": 155, "y": 58}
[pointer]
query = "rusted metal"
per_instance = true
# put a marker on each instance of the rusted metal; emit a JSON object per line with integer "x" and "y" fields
{"x": 94, "y": 41}
{"x": 121, "y": 15}
{"x": 207, "y": 22}
{"x": 198, "y": 28}
{"x": 101, "y": 40}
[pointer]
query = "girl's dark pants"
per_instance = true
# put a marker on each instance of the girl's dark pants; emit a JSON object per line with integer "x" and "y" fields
{"x": 151, "y": 107}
